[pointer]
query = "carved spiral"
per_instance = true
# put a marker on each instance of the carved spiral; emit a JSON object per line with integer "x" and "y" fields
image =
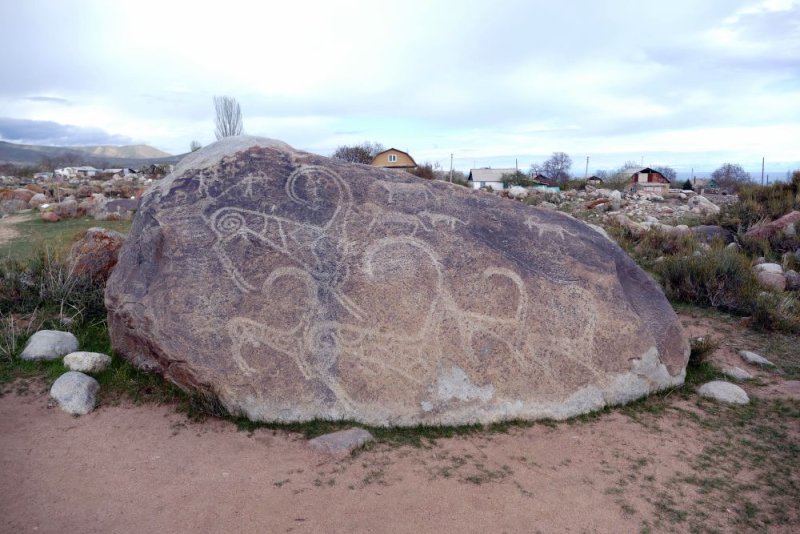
{"x": 230, "y": 223}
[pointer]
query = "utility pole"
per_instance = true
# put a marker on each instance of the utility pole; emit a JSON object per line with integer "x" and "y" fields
{"x": 451, "y": 167}
{"x": 694, "y": 178}
{"x": 762, "y": 170}
{"x": 586, "y": 172}
{"x": 516, "y": 164}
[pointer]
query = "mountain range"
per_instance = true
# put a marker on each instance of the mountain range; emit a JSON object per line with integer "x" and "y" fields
{"x": 98, "y": 156}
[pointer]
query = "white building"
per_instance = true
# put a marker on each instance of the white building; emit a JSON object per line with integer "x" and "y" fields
{"x": 487, "y": 177}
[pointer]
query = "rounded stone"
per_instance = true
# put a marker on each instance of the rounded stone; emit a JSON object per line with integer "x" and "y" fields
{"x": 75, "y": 393}
{"x": 724, "y": 392}
{"x": 87, "y": 362}
{"x": 754, "y": 358}
{"x": 49, "y": 345}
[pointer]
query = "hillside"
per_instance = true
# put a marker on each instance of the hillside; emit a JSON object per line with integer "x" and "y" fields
{"x": 130, "y": 151}
{"x": 104, "y": 156}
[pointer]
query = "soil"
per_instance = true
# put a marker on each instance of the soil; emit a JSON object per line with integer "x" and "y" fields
{"x": 148, "y": 468}
{"x": 7, "y": 230}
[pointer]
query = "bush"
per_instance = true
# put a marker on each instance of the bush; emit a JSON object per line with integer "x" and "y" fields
{"x": 46, "y": 283}
{"x": 518, "y": 178}
{"x": 701, "y": 349}
{"x": 721, "y": 278}
{"x": 758, "y": 203}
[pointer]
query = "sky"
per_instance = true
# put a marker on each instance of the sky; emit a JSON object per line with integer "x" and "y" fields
{"x": 682, "y": 83}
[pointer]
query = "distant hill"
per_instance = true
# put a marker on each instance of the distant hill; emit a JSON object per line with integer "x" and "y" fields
{"x": 98, "y": 156}
{"x": 130, "y": 151}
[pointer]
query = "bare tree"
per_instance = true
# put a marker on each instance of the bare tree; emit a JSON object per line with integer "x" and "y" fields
{"x": 229, "y": 117}
{"x": 556, "y": 168}
{"x": 668, "y": 172}
{"x": 730, "y": 176}
{"x": 363, "y": 153}
{"x": 194, "y": 146}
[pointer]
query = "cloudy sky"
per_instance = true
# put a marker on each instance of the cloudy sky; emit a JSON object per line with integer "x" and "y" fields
{"x": 685, "y": 82}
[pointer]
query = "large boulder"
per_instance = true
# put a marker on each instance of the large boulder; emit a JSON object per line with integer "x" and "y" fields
{"x": 785, "y": 225}
{"x": 37, "y": 200}
{"x": 292, "y": 287}
{"x": 95, "y": 254}
{"x": 700, "y": 204}
{"x": 770, "y": 275}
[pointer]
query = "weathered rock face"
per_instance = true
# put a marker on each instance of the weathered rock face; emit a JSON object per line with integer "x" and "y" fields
{"x": 295, "y": 287}
{"x": 95, "y": 254}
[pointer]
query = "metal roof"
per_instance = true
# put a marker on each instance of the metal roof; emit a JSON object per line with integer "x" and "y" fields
{"x": 489, "y": 175}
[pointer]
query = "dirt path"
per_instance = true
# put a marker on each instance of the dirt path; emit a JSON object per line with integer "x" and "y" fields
{"x": 7, "y": 230}
{"x": 147, "y": 469}
{"x": 672, "y": 463}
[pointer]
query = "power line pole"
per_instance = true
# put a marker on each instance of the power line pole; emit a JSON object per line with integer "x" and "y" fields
{"x": 451, "y": 167}
{"x": 586, "y": 172}
{"x": 762, "y": 170}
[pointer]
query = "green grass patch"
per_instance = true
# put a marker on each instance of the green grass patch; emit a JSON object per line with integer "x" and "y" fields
{"x": 36, "y": 234}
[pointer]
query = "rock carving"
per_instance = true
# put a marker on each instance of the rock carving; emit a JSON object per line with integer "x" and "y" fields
{"x": 293, "y": 287}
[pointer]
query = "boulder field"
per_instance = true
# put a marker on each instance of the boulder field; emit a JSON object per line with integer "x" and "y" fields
{"x": 292, "y": 286}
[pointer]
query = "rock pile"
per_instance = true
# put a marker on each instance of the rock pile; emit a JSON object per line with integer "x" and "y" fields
{"x": 74, "y": 391}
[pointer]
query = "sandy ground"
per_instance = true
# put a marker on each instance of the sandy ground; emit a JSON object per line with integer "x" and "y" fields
{"x": 147, "y": 468}
{"x": 7, "y": 230}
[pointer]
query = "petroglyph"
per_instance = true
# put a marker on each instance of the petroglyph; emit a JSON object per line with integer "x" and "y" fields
{"x": 409, "y": 192}
{"x": 543, "y": 227}
{"x": 294, "y": 288}
{"x": 436, "y": 218}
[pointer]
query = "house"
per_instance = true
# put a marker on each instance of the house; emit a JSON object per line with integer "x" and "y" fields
{"x": 66, "y": 172}
{"x": 543, "y": 183}
{"x": 594, "y": 180}
{"x": 647, "y": 181}
{"x": 86, "y": 171}
{"x": 121, "y": 172}
{"x": 394, "y": 159}
{"x": 487, "y": 177}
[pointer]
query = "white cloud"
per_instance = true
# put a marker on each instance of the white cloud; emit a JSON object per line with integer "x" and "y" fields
{"x": 479, "y": 78}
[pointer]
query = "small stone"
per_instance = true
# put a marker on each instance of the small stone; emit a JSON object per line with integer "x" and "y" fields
{"x": 76, "y": 393}
{"x": 341, "y": 442}
{"x": 87, "y": 362}
{"x": 773, "y": 268}
{"x": 775, "y": 281}
{"x": 737, "y": 373}
{"x": 724, "y": 392}
{"x": 792, "y": 280}
{"x": 754, "y": 359}
{"x": 49, "y": 216}
{"x": 49, "y": 345}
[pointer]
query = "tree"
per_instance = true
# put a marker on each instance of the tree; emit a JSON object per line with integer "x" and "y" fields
{"x": 556, "y": 168}
{"x": 194, "y": 146}
{"x": 229, "y": 117}
{"x": 363, "y": 153}
{"x": 687, "y": 185}
{"x": 668, "y": 172}
{"x": 730, "y": 176}
{"x": 517, "y": 178}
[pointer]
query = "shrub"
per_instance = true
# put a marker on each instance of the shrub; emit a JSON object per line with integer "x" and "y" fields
{"x": 48, "y": 284}
{"x": 778, "y": 312}
{"x": 517, "y": 178}
{"x": 721, "y": 278}
{"x": 702, "y": 348}
{"x": 759, "y": 203}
